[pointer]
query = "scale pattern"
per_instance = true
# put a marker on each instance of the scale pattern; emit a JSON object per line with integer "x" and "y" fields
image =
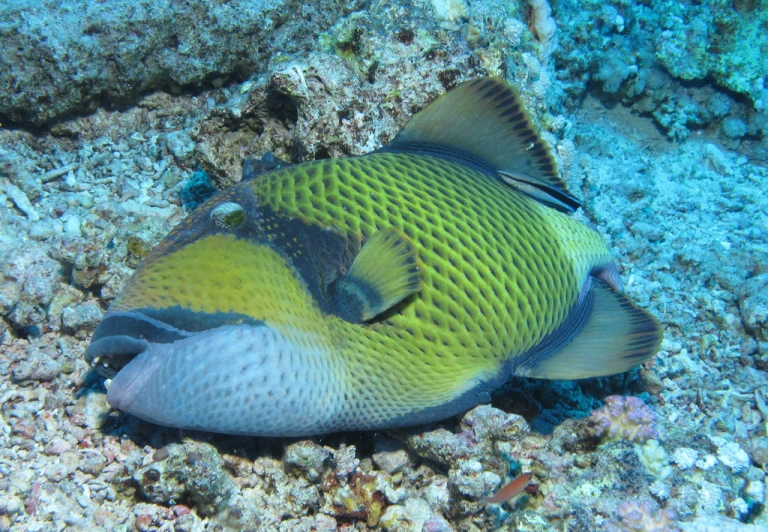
{"x": 499, "y": 272}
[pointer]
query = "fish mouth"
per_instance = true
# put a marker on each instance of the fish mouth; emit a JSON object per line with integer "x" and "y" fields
{"x": 122, "y": 336}
{"x": 108, "y": 355}
{"x": 128, "y": 383}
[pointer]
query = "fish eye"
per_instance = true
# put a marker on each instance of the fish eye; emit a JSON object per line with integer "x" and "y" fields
{"x": 228, "y": 215}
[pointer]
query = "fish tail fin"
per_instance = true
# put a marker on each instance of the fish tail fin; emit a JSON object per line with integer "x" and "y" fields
{"x": 616, "y": 336}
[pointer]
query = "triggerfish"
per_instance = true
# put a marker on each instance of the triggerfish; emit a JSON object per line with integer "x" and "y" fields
{"x": 396, "y": 288}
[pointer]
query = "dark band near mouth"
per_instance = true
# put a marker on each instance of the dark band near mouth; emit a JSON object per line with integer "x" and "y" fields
{"x": 123, "y": 335}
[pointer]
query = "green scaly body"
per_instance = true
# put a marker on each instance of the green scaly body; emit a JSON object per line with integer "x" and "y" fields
{"x": 500, "y": 270}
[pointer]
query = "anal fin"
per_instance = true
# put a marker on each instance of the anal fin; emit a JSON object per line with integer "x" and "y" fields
{"x": 614, "y": 337}
{"x": 385, "y": 271}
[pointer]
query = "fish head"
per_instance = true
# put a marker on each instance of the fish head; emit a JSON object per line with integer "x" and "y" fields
{"x": 214, "y": 325}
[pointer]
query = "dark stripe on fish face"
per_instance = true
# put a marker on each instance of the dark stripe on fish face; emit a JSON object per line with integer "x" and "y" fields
{"x": 320, "y": 255}
{"x": 137, "y": 324}
{"x": 189, "y": 321}
{"x": 112, "y": 353}
{"x": 120, "y": 336}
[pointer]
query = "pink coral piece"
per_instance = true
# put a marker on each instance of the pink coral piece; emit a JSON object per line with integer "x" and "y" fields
{"x": 643, "y": 515}
{"x": 625, "y": 418}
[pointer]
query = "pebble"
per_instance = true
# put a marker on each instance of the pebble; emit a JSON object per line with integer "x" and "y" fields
{"x": 409, "y": 517}
{"x": 306, "y": 458}
{"x": 325, "y": 523}
{"x": 755, "y": 489}
{"x": 437, "y": 523}
{"x": 733, "y": 456}
{"x": 56, "y": 173}
{"x": 37, "y": 366}
{"x": 472, "y": 481}
{"x": 21, "y": 201}
{"x": 685, "y": 457}
{"x": 391, "y": 461}
{"x": 706, "y": 462}
{"x": 56, "y": 447}
{"x": 42, "y": 230}
{"x": 346, "y": 460}
{"x": 760, "y": 450}
{"x": 81, "y": 318}
{"x": 179, "y": 144}
{"x": 72, "y": 226}
{"x": 95, "y": 410}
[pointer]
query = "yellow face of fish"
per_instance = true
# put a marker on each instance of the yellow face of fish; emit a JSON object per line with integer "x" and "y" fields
{"x": 391, "y": 289}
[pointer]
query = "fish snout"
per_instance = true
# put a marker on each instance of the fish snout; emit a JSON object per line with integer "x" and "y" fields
{"x": 236, "y": 379}
{"x": 129, "y": 382}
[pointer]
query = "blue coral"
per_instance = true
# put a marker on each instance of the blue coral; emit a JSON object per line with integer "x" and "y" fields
{"x": 196, "y": 190}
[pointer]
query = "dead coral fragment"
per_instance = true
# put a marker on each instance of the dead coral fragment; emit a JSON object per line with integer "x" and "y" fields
{"x": 192, "y": 472}
{"x": 643, "y": 515}
{"x": 624, "y": 418}
{"x": 481, "y": 428}
{"x": 308, "y": 459}
{"x": 360, "y": 499}
{"x": 544, "y": 26}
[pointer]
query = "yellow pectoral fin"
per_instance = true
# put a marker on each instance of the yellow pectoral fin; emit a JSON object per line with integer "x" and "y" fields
{"x": 386, "y": 271}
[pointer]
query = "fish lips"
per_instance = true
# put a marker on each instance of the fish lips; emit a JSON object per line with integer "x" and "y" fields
{"x": 138, "y": 387}
{"x": 113, "y": 352}
{"x": 132, "y": 378}
{"x": 121, "y": 336}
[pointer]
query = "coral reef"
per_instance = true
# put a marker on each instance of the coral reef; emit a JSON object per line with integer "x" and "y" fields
{"x": 114, "y": 52}
{"x": 653, "y": 57}
{"x": 655, "y": 459}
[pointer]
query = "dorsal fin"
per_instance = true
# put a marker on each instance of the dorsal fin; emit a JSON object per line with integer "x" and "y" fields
{"x": 486, "y": 118}
{"x": 255, "y": 167}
